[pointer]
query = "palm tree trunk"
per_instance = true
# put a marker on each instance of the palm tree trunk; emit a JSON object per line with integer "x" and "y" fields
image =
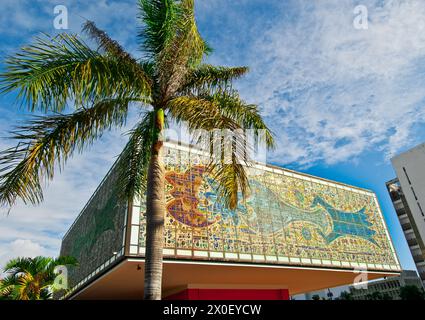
{"x": 155, "y": 210}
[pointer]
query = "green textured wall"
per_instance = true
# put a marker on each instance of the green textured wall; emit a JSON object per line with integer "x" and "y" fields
{"x": 98, "y": 231}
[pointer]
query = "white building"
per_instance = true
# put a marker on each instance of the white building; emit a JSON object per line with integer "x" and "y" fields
{"x": 407, "y": 192}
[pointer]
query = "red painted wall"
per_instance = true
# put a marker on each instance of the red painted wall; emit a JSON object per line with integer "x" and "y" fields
{"x": 231, "y": 294}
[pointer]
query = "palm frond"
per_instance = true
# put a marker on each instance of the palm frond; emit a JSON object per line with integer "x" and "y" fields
{"x": 184, "y": 52}
{"x": 105, "y": 42}
{"x": 199, "y": 113}
{"x": 47, "y": 141}
{"x": 115, "y": 49}
{"x": 232, "y": 181}
{"x": 56, "y": 70}
{"x": 134, "y": 160}
{"x": 7, "y": 285}
{"x": 31, "y": 278}
{"x": 247, "y": 116}
{"x": 228, "y": 162}
{"x": 17, "y": 265}
{"x": 193, "y": 47}
{"x": 158, "y": 18}
{"x": 26, "y": 288}
{"x": 207, "y": 78}
{"x": 171, "y": 37}
{"x": 149, "y": 68}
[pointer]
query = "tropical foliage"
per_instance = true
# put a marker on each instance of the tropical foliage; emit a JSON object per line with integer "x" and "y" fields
{"x": 170, "y": 82}
{"x": 345, "y": 295}
{"x": 376, "y": 295}
{"x": 31, "y": 278}
{"x": 411, "y": 292}
{"x": 408, "y": 292}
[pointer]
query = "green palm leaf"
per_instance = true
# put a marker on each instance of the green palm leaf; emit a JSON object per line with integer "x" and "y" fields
{"x": 208, "y": 78}
{"x": 47, "y": 141}
{"x": 228, "y": 166}
{"x": 134, "y": 160}
{"x": 56, "y": 70}
{"x": 246, "y": 115}
{"x": 31, "y": 278}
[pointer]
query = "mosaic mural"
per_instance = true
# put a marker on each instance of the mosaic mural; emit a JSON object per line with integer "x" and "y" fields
{"x": 283, "y": 216}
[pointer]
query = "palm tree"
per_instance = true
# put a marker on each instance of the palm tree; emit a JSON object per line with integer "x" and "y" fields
{"x": 170, "y": 82}
{"x": 31, "y": 278}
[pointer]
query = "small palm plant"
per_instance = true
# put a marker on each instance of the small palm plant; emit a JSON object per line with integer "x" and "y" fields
{"x": 170, "y": 82}
{"x": 31, "y": 278}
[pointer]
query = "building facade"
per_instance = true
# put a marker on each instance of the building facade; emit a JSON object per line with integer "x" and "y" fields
{"x": 294, "y": 233}
{"x": 407, "y": 193}
{"x": 390, "y": 286}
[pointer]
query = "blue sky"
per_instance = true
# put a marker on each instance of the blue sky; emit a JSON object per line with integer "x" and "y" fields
{"x": 341, "y": 101}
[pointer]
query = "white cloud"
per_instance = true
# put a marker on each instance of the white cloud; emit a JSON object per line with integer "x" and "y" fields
{"x": 24, "y": 19}
{"x": 21, "y": 248}
{"x": 20, "y": 17}
{"x": 332, "y": 92}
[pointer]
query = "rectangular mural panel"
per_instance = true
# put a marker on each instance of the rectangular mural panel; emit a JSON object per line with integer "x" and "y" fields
{"x": 287, "y": 217}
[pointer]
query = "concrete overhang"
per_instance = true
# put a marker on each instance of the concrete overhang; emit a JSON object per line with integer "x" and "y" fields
{"x": 125, "y": 281}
